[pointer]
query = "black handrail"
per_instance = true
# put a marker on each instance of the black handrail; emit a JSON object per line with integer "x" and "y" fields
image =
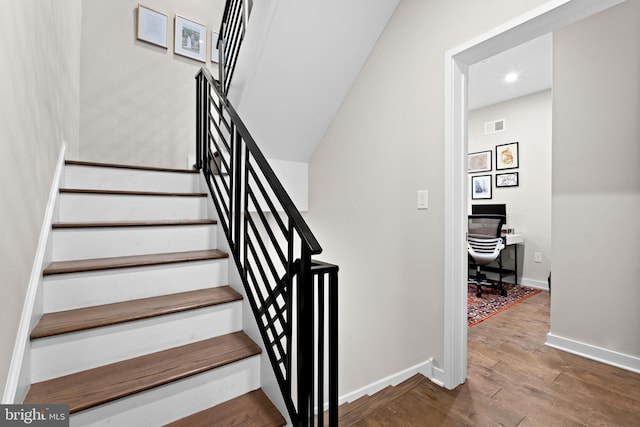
{"x": 291, "y": 295}
{"x": 232, "y": 29}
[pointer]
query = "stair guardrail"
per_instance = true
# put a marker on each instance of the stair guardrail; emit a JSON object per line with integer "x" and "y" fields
{"x": 293, "y": 297}
{"x": 232, "y": 29}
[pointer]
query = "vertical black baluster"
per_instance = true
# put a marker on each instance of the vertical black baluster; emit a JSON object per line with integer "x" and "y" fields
{"x": 305, "y": 340}
{"x": 320, "y": 357}
{"x": 333, "y": 347}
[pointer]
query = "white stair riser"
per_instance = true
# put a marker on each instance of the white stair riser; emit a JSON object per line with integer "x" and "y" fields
{"x": 128, "y": 179}
{"x": 164, "y": 404}
{"x": 69, "y": 244}
{"x": 77, "y": 351}
{"x": 76, "y": 290}
{"x": 75, "y": 207}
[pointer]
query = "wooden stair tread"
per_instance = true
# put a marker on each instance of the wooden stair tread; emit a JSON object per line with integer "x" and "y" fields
{"x": 131, "y": 192}
{"x": 147, "y": 223}
{"x": 75, "y": 266}
{"x": 86, "y": 389}
{"x": 111, "y": 314}
{"x": 134, "y": 167}
{"x": 252, "y": 409}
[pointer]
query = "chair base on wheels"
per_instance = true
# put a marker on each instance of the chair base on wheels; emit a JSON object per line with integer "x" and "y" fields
{"x": 482, "y": 281}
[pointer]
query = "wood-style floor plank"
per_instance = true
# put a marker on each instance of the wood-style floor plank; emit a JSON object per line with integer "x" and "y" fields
{"x": 514, "y": 379}
{"x": 253, "y": 409}
{"x": 75, "y": 266}
{"x": 96, "y": 386}
{"x": 80, "y": 319}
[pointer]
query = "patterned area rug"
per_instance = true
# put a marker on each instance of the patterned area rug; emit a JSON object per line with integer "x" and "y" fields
{"x": 491, "y": 303}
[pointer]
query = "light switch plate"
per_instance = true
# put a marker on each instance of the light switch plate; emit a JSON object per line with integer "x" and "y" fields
{"x": 423, "y": 199}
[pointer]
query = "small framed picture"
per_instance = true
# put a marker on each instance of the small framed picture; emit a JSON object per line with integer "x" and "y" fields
{"x": 479, "y": 162}
{"x": 190, "y": 39}
{"x": 509, "y": 179}
{"x": 215, "y": 54}
{"x": 507, "y": 156}
{"x": 481, "y": 187}
{"x": 152, "y": 26}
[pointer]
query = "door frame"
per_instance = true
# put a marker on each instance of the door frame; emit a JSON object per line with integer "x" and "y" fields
{"x": 549, "y": 17}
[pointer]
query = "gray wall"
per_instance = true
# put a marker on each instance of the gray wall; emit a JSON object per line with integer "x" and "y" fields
{"x": 385, "y": 143}
{"x": 137, "y": 99}
{"x": 39, "y": 100}
{"x": 596, "y": 181}
{"x": 528, "y": 121}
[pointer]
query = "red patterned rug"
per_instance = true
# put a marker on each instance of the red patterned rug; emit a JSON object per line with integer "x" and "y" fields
{"x": 492, "y": 303}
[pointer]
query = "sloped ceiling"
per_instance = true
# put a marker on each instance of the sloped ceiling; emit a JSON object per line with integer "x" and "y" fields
{"x": 298, "y": 61}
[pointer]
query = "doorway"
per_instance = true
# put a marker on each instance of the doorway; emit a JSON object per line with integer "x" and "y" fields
{"x": 547, "y": 18}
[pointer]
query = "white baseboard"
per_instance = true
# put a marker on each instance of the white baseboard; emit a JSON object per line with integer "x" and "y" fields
{"x": 599, "y": 354}
{"x": 537, "y": 284}
{"x": 18, "y": 377}
{"x": 425, "y": 368}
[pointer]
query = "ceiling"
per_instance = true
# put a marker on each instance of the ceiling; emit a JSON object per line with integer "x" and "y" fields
{"x": 532, "y": 61}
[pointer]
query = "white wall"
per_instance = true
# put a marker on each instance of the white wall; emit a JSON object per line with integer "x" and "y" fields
{"x": 596, "y": 183}
{"x": 39, "y": 110}
{"x": 528, "y": 121}
{"x": 385, "y": 143}
{"x": 137, "y": 99}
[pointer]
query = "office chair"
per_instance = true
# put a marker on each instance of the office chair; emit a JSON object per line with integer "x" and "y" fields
{"x": 484, "y": 243}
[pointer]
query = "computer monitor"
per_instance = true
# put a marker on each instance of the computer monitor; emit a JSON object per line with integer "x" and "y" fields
{"x": 496, "y": 209}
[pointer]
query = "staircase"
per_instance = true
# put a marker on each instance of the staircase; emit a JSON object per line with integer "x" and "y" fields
{"x": 140, "y": 328}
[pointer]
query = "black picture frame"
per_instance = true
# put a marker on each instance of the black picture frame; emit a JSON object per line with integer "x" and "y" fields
{"x": 479, "y": 162}
{"x": 507, "y": 156}
{"x": 481, "y": 187}
{"x": 508, "y": 179}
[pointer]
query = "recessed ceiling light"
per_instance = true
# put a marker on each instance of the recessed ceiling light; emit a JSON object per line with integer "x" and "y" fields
{"x": 511, "y": 77}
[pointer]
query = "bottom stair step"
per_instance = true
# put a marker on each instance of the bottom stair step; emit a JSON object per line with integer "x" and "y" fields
{"x": 107, "y": 383}
{"x": 253, "y": 409}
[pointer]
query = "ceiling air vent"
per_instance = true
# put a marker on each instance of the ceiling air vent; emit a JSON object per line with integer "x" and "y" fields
{"x": 494, "y": 127}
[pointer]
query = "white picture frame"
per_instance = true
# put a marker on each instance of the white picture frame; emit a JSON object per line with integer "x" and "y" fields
{"x": 152, "y": 26}
{"x": 190, "y": 39}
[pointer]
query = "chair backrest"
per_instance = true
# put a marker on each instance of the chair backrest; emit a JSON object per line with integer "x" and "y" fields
{"x": 485, "y": 225}
{"x": 484, "y": 241}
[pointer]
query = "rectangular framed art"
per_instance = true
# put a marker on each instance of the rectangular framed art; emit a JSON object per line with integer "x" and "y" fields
{"x": 509, "y": 179}
{"x": 190, "y": 39}
{"x": 479, "y": 162}
{"x": 507, "y": 156}
{"x": 152, "y": 26}
{"x": 215, "y": 54}
{"x": 481, "y": 187}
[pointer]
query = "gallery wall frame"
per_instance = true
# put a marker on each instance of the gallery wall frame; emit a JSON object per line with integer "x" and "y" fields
{"x": 507, "y": 156}
{"x": 190, "y": 39}
{"x": 481, "y": 187}
{"x": 152, "y": 26}
{"x": 508, "y": 179}
{"x": 479, "y": 162}
{"x": 215, "y": 53}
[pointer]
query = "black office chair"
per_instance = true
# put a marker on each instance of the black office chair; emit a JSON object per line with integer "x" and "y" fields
{"x": 484, "y": 243}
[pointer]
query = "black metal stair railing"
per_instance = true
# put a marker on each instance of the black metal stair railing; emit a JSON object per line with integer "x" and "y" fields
{"x": 232, "y": 29}
{"x": 293, "y": 297}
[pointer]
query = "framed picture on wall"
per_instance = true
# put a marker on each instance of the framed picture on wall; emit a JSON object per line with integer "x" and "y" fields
{"x": 152, "y": 26}
{"x": 215, "y": 54}
{"x": 481, "y": 187}
{"x": 190, "y": 39}
{"x": 509, "y": 179}
{"x": 479, "y": 162}
{"x": 507, "y": 156}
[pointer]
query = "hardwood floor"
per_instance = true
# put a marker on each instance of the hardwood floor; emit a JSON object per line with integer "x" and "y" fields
{"x": 513, "y": 380}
